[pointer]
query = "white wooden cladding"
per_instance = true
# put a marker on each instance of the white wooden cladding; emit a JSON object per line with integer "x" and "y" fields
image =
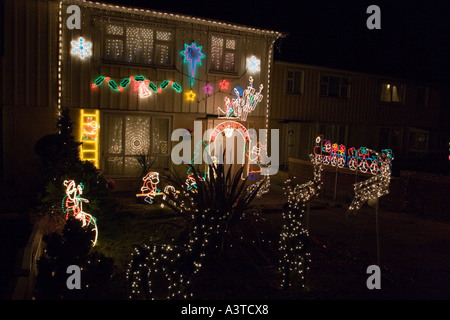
{"x": 362, "y": 107}
{"x": 79, "y": 74}
{"x": 31, "y": 61}
{"x": 31, "y": 47}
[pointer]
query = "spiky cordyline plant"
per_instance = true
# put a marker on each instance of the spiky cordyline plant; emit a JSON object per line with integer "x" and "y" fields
{"x": 217, "y": 203}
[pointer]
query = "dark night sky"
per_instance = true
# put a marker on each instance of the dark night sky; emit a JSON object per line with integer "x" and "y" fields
{"x": 413, "y": 41}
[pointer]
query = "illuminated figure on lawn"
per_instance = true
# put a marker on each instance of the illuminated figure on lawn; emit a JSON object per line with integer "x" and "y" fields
{"x": 164, "y": 271}
{"x": 375, "y": 187}
{"x": 72, "y": 204}
{"x": 254, "y": 161}
{"x": 150, "y": 187}
{"x": 294, "y": 236}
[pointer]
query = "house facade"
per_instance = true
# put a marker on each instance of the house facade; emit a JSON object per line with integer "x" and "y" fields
{"x": 358, "y": 109}
{"x": 130, "y": 78}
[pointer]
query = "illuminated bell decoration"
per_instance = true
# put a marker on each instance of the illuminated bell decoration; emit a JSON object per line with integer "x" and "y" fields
{"x": 81, "y": 48}
{"x": 72, "y": 204}
{"x": 192, "y": 55}
{"x": 253, "y": 64}
{"x": 228, "y": 131}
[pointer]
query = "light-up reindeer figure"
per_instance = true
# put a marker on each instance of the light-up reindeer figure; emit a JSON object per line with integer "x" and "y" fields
{"x": 293, "y": 242}
{"x": 72, "y": 204}
{"x": 375, "y": 187}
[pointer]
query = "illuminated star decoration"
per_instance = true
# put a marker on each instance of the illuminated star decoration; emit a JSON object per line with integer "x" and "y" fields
{"x": 192, "y": 55}
{"x": 253, "y": 64}
{"x": 190, "y": 95}
{"x": 208, "y": 89}
{"x": 224, "y": 84}
{"x": 81, "y": 48}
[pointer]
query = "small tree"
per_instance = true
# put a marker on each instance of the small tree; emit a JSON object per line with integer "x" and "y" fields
{"x": 60, "y": 157}
{"x": 72, "y": 247}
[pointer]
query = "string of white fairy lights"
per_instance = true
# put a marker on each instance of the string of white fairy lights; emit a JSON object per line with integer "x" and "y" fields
{"x": 294, "y": 253}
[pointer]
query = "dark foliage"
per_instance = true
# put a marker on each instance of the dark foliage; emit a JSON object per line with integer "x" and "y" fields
{"x": 72, "y": 247}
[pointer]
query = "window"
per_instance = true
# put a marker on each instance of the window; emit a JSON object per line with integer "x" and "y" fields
{"x": 335, "y": 86}
{"x": 143, "y": 44}
{"x": 294, "y": 81}
{"x": 129, "y": 137}
{"x": 422, "y": 97}
{"x": 334, "y": 132}
{"x": 391, "y": 92}
{"x": 418, "y": 141}
{"x": 390, "y": 138}
{"x": 223, "y": 54}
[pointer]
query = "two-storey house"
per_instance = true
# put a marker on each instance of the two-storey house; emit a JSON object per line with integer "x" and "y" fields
{"x": 129, "y": 76}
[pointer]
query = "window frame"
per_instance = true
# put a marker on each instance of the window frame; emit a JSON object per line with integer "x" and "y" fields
{"x": 123, "y": 37}
{"x": 104, "y": 139}
{"x": 341, "y": 85}
{"x": 302, "y": 81}
{"x": 401, "y": 89}
{"x": 236, "y": 51}
{"x": 412, "y": 147}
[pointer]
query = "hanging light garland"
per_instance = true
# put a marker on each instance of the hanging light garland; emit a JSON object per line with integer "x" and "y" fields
{"x": 143, "y": 86}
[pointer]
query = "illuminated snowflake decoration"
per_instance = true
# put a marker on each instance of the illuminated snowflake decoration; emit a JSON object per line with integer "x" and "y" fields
{"x": 192, "y": 55}
{"x": 253, "y": 64}
{"x": 81, "y": 48}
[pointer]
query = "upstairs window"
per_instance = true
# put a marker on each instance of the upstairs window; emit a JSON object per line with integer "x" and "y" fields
{"x": 294, "y": 81}
{"x": 223, "y": 54}
{"x": 334, "y": 86}
{"x": 140, "y": 45}
{"x": 391, "y": 92}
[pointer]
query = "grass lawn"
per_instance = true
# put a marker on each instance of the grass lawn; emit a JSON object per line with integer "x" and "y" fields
{"x": 133, "y": 223}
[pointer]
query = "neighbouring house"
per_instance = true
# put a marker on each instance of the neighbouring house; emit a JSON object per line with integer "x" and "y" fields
{"x": 358, "y": 109}
{"x": 129, "y": 76}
